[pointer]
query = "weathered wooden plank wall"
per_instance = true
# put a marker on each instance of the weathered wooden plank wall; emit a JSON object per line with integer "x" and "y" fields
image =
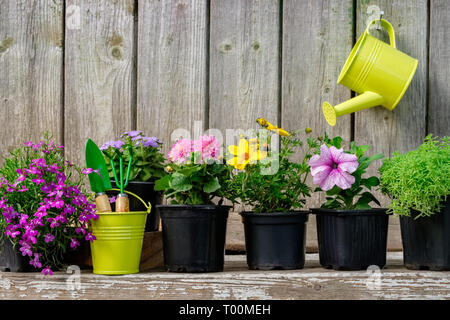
{"x": 85, "y": 68}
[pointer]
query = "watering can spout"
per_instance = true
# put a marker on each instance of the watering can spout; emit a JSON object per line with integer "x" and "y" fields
{"x": 363, "y": 101}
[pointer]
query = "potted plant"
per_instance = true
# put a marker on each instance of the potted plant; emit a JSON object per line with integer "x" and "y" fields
{"x": 193, "y": 227}
{"x": 146, "y": 167}
{"x": 274, "y": 186}
{"x": 418, "y": 183}
{"x": 351, "y": 234}
{"x": 45, "y": 213}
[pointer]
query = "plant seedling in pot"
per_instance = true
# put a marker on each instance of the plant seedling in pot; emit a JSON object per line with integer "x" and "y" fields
{"x": 351, "y": 234}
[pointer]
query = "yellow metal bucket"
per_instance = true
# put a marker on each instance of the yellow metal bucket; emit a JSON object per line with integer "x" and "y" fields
{"x": 377, "y": 71}
{"x": 118, "y": 245}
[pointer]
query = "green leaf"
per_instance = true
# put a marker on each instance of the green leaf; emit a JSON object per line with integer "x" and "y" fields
{"x": 163, "y": 183}
{"x": 370, "y": 182}
{"x": 361, "y": 150}
{"x": 180, "y": 182}
{"x": 212, "y": 185}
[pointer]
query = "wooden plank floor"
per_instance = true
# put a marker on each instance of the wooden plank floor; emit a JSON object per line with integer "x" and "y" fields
{"x": 236, "y": 282}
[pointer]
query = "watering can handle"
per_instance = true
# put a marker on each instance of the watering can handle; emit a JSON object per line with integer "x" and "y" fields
{"x": 387, "y": 26}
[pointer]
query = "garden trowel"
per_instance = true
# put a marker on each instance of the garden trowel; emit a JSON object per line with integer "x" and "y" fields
{"x": 99, "y": 180}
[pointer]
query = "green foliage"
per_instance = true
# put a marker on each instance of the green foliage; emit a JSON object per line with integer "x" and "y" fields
{"x": 148, "y": 161}
{"x": 194, "y": 183}
{"x": 276, "y": 183}
{"x": 359, "y": 195}
{"x": 418, "y": 179}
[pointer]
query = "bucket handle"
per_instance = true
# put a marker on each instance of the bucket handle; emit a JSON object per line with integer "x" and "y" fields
{"x": 147, "y": 206}
{"x": 387, "y": 26}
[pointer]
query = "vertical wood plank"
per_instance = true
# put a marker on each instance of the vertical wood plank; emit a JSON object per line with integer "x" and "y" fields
{"x": 403, "y": 128}
{"x": 244, "y": 63}
{"x": 31, "y": 41}
{"x": 317, "y": 38}
{"x": 244, "y": 75}
{"x": 439, "y": 73}
{"x": 172, "y": 64}
{"x": 99, "y": 72}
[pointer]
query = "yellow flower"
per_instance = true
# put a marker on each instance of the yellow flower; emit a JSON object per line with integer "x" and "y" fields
{"x": 245, "y": 153}
{"x": 266, "y": 124}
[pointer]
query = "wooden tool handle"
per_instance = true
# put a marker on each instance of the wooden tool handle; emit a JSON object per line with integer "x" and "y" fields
{"x": 122, "y": 203}
{"x": 102, "y": 203}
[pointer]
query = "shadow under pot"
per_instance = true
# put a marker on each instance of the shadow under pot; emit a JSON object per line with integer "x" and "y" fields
{"x": 426, "y": 240}
{"x": 352, "y": 239}
{"x": 275, "y": 240}
{"x": 194, "y": 237}
{"x": 144, "y": 190}
{"x": 11, "y": 258}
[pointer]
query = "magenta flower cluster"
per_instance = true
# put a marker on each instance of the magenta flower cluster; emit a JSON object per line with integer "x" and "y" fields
{"x": 42, "y": 209}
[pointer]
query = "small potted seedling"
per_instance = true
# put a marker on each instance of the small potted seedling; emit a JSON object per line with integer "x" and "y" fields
{"x": 44, "y": 209}
{"x": 193, "y": 225}
{"x": 352, "y": 235}
{"x": 418, "y": 183}
{"x": 273, "y": 185}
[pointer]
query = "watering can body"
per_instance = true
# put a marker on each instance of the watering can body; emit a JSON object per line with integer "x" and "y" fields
{"x": 377, "y": 71}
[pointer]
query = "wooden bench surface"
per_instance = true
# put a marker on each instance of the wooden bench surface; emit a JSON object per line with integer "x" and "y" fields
{"x": 236, "y": 282}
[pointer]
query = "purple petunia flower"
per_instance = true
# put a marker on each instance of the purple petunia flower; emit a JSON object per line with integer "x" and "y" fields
{"x": 333, "y": 167}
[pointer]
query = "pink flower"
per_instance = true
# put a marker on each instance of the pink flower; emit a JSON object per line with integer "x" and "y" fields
{"x": 208, "y": 146}
{"x": 90, "y": 170}
{"x": 38, "y": 181}
{"x": 90, "y": 237}
{"x": 181, "y": 151}
{"x": 47, "y": 271}
{"x": 333, "y": 167}
{"x": 49, "y": 238}
{"x": 35, "y": 261}
{"x": 74, "y": 243}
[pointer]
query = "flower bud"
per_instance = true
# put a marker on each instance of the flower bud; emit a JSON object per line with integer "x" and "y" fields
{"x": 168, "y": 169}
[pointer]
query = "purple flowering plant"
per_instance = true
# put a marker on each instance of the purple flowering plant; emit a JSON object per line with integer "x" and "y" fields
{"x": 44, "y": 210}
{"x": 340, "y": 174}
{"x": 147, "y": 159}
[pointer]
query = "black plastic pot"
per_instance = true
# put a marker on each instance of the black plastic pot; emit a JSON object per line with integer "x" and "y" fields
{"x": 11, "y": 259}
{"x": 144, "y": 190}
{"x": 194, "y": 237}
{"x": 352, "y": 240}
{"x": 275, "y": 240}
{"x": 426, "y": 240}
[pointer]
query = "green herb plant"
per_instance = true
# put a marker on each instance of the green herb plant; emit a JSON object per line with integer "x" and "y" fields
{"x": 418, "y": 179}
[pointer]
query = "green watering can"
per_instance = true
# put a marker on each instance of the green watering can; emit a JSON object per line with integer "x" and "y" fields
{"x": 377, "y": 71}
